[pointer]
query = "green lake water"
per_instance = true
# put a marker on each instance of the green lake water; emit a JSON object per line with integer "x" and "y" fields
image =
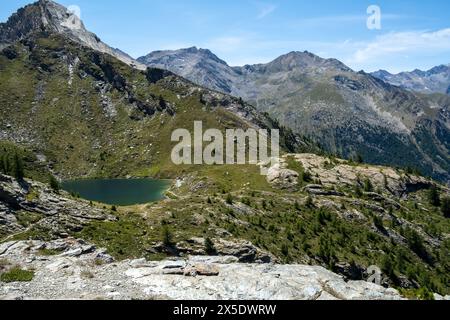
{"x": 119, "y": 192}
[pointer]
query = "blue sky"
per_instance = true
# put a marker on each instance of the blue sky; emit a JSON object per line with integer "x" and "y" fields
{"x": 414, "y": 33}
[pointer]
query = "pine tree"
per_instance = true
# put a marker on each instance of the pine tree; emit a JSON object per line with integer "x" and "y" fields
{"x": 445, "y": 207}
{"x": 3, "y": 163}
{"x": 54, "y": 184}
{"x": 19, "y": 173}
{"x": 167, "y": 236}
{"x": 359, "y": 158}
{"x": 8, "y": 165}
{"x": 378, "y": 222}
{"x": 229, "y": 199}
{"x": 309, "y": 202}
{"x": 358, "y": 191}
{"x": 387, "y": 265}
{"x": 285, "y": 249}
{"x": 209, "y": 247}
{"x": 433, "y": 197}
{"x": 264, "y": 204}
{"x": 162, "y": 103}
{"x": 368, "y": 187}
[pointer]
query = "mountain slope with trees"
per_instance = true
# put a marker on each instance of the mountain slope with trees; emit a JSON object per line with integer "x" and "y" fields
{"x": 348, "y": 113}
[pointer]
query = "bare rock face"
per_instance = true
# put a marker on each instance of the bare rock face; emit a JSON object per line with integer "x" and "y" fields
{"x": 48, "y": 16}
{"x": 243, "y": 251}
{"x": 342, "y": 173}
{"x": 200, "y": 65}
{"x": 281, "y": 177}
{"x": 31, "y": 203}
{"x": 78, "y": 270}
{"x": 319, "y": 190}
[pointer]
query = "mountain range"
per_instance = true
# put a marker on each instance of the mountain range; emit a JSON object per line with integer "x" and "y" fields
{"x": 435, "y": 80}
{"x": 346, "y": 112}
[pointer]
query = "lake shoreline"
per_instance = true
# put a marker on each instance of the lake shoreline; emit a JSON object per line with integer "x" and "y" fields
{"x": 119, "y": 192}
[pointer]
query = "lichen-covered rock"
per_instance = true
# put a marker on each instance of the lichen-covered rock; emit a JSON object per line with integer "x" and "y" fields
{"x": 81, "y": 276}
{"x": 341, "y": 173}
{"x": 281, "y": 177}
{"x": 243, "y": 251}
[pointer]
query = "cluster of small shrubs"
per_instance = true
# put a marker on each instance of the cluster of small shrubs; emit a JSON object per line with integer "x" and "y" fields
{"x": 17, "y": 274}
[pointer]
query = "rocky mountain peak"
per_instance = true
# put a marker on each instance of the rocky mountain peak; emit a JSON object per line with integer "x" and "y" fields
{"x": 193, "y": 49}
{"x": 49, "y": 16}
{"x": 440, "y": 69}
{"x": 196, "y": 64}
{"x": 187, "y": 56}
{"x": 381, "y": 74}
{"x": 303, "y": 60}
{"x": 44, "y": 15}
{"x": 298, "y": 58}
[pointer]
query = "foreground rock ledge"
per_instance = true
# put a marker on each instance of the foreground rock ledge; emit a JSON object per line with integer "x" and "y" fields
{"x": 81, "y": 271}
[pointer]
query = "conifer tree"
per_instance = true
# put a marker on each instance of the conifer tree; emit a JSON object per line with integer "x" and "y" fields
{"x": 445, "y": 207}
{"x": 433, "y": 197}
{"x": 19, "y": 173}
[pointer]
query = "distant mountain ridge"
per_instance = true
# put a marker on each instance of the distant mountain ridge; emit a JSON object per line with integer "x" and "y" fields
{"x": 346, "y": 112}
{"x": 198, "y": 65}
{"x": 204, "y": 67}
{"x": 435, "y": 80}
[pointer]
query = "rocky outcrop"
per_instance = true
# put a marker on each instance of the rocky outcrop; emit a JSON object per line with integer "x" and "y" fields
{"x": 242, "y": 251}
{"x": 337, "y": 172}
{"x": 319, "y": 190}
{"x": 283, "y": 178}
{"x": 81, "y": 271}
{"x": 31, "y": 204}
{"x": 333, "y": 172}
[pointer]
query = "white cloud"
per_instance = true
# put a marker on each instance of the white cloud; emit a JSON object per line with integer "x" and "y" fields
{"x": 226, "y": 44}
{"x": 265, "y": 10}
{"x": 405, "y": 44}
{"x": 331, "y": 20}
{"x": 338, "y": 20}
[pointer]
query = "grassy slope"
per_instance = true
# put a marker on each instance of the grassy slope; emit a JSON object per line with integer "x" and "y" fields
{"x": 68, "y": 123}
